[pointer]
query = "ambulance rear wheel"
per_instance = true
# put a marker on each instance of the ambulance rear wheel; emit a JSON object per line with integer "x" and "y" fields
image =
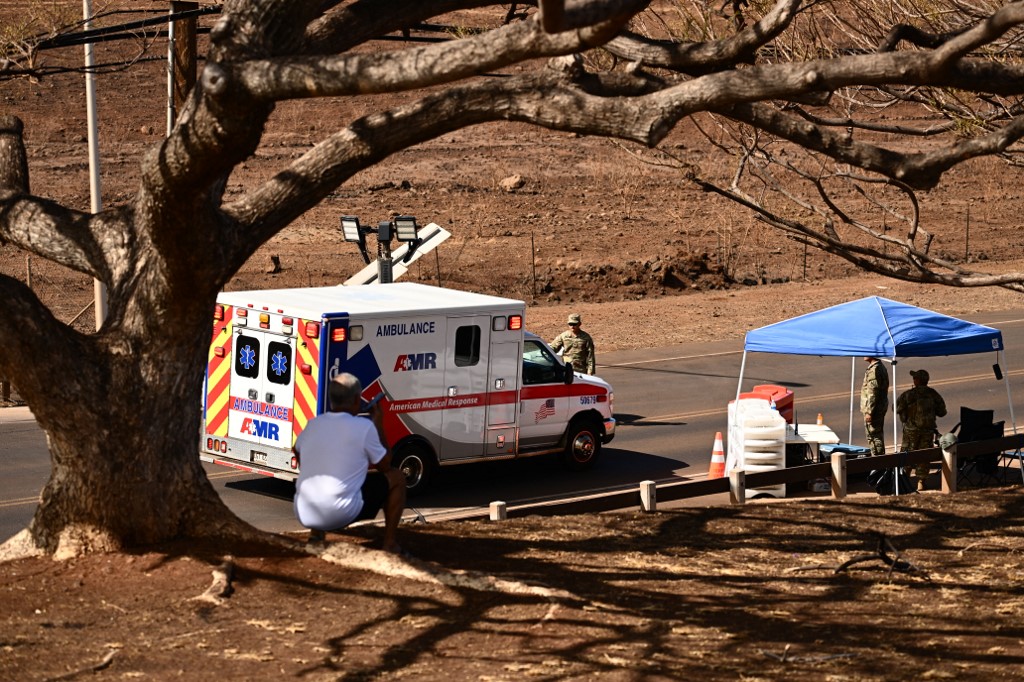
{"x": 582, "y": 445}
{"x": 417, "y": 463}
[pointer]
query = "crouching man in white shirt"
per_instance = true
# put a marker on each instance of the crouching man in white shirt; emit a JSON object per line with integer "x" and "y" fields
{"x": 336, "y": 450}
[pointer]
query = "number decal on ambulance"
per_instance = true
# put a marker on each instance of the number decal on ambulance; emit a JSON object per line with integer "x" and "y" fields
{"x": 588, "y": 400}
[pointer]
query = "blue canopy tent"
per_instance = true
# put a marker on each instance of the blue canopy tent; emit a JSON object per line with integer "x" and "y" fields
{"x": 876, "y": 327}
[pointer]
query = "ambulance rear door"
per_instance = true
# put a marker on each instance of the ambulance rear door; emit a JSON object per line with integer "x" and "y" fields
{"x": 262, "y": 391}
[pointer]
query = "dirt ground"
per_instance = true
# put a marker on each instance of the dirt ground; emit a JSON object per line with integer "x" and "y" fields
{"x": 717, "y": 593}
{"x": 722, "y": 593}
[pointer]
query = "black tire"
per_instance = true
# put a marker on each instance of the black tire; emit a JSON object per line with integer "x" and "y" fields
{"x": 417, "y": 462}
{"x": 582, "y": 444}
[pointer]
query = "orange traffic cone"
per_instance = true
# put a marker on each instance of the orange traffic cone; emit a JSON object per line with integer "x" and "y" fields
{"x": 717, "y": 469}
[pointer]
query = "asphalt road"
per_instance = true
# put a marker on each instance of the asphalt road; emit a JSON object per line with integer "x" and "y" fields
{"x": 669, "y": 402}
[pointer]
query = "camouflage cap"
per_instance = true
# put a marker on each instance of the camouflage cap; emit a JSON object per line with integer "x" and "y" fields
{"x": 573, "y": 319}
{"x": 921, "y": 374}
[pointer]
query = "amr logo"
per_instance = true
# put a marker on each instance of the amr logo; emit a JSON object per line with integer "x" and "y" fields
{"x": 414, "y": 361}
{"x": 260, "y": 428}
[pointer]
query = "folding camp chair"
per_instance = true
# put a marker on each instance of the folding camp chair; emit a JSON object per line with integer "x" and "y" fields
{"x": 975, "y": 425}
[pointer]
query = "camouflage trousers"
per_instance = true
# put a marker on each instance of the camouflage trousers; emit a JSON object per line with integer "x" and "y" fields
{"x": 913, "y": 439}
{"x": 874, "y": 431}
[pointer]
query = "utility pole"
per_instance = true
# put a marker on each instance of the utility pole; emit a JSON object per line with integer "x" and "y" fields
{"x": 181, "y": 59}
{"x": 99, "y": 290}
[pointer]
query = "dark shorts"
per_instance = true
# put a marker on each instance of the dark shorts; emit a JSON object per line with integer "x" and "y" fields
{"x": 375, "y": 494}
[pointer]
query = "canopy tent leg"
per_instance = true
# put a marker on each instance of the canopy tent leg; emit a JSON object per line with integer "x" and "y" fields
{"x": 853, "y": 386}
{"x": 1001, "y": 360}
{"x": 892, "y": 382}
{"x": 739, "y": 384}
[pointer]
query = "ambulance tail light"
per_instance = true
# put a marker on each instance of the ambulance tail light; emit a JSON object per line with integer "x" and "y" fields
{"x": 264, "y": 321}
{"x": 305, "y": 369}
{"x": 602, "y": 398}
{"x": 218, "y": 312}
{"x": 241, "y": 312}
{"x": 515, "y": 322}
{"x": 338, "y": 334}
{"x": 295, "y": 462}
{"x": 219, "y": 351}
{"x": 312, "y": 330}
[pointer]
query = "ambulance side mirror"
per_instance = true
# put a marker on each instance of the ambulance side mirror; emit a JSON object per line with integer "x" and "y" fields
{"x": 570, "y": 374}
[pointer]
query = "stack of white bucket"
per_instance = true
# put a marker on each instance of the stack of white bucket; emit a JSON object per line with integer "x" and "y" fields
{"x": 757, "y": 440}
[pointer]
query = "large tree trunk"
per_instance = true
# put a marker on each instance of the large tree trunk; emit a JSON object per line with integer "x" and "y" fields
{"x": 127, "y": 424}
{"x": 121, "y": 407}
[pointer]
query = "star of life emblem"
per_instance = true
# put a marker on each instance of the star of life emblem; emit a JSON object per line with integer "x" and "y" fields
{"x": 279, "y": 363}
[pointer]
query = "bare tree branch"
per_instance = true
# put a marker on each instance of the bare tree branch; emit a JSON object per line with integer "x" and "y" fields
{"x": 414, "y": 68}
{"x": 706, "y": 56}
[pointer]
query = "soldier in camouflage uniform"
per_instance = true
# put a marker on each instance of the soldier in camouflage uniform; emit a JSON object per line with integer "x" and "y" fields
{"x": 917, "y": 409}
{"x": 874, "y": 401}
{"x": 576, "y": 345}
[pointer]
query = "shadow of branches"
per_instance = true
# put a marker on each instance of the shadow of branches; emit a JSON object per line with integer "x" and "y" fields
{"x": 737, "y": 588}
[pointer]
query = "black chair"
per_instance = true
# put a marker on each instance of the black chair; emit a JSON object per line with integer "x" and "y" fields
{"x": 977, "y": 425}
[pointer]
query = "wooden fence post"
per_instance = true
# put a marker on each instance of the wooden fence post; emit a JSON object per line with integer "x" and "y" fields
{"x": 949, "y": 470}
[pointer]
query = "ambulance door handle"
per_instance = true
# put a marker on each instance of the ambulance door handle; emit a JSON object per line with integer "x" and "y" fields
{"x": 453, "y": 391}
{"x": 270, "y": 399}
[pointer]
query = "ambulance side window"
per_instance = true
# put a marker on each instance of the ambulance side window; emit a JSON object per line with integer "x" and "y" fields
{"x": 247, "y": 356}
{"x": 538, "y": 365}
{"x": 467, "y": 346}
{"x": 279, "y": 363}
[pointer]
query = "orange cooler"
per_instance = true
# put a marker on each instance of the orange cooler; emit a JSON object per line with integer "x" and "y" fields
{"x": 782, "y": 396}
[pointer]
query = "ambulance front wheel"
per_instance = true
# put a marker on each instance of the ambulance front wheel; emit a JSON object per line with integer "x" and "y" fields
{"x": 417, "y": 463}
{"x": 582, "y": 445}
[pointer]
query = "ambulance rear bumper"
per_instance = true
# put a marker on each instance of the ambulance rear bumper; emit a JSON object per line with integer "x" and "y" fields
{"x": 609, "y": 430}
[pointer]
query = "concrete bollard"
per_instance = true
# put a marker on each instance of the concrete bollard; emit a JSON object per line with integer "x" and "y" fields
{"x": 499, "y": 511}
{"x": 838, "y": 475}
{"x": 738, "y": 486}
{"x": 648, "y": 496}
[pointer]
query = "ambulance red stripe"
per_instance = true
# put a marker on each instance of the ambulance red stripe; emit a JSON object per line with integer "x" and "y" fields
{"x": 430, "y": 403}
{"x": 560, "y": 391}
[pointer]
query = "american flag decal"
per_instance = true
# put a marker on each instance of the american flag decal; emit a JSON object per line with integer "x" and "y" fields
{"x": 546, "y": 410}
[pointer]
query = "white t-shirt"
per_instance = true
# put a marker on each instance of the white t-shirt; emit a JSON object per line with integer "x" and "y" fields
{"x": 335, "y": 451}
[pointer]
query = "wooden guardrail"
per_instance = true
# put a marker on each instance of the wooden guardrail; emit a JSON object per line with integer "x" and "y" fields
{"x": 736, "y": 484}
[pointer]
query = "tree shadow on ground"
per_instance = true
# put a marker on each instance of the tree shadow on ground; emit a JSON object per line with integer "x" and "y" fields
{"x": 727, "y": 579}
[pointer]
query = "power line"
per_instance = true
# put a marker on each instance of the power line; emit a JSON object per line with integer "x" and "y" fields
{"x": 123, "y": 31}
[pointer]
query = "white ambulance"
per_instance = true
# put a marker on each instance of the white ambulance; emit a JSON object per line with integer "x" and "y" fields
{"x": 461, "y": 379}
